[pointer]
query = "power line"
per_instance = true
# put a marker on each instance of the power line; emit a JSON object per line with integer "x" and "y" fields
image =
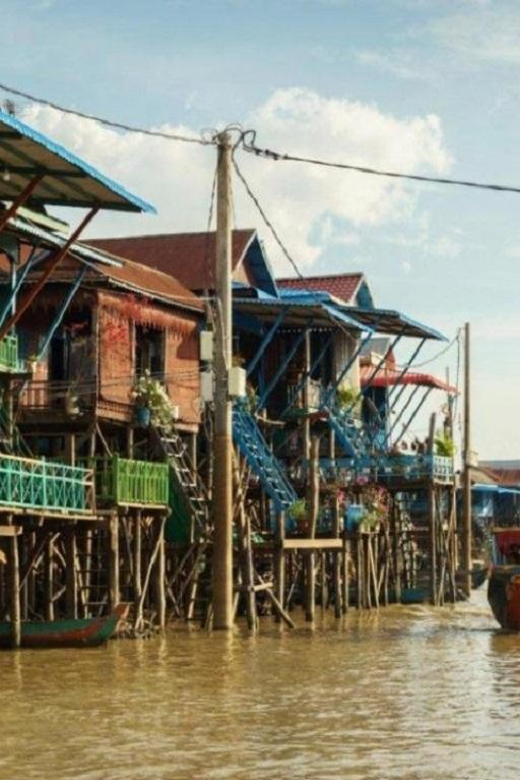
{"x": 108, "y": 122}
{"x": 250, "y": 146}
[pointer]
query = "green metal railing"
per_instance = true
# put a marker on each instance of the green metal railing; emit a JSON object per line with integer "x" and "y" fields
{"x": 9, "y": 352}
{"x": 123, "y": 481}
{"x": 45, "y": 485}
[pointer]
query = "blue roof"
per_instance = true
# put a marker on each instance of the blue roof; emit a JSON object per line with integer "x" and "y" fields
{"x": 68, "y": 181}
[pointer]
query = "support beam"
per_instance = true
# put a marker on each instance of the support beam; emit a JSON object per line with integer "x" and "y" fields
{"x": 51, "y": 266}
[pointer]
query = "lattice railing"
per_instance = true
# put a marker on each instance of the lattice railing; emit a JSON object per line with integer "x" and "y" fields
{"x": 125, "y": 481}
{"x": 45, "y": 485}
{"x": 9, "y": 353}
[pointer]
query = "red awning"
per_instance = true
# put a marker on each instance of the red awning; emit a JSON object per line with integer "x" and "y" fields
{"x": 507, "y": 540}
{"x": 386, "y": 377}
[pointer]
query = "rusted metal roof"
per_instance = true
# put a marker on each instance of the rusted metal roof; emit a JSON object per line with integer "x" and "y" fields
{"x": 150, "y": 282}
{"x": 189, "y": 257}
{"x": 343, "y": 286}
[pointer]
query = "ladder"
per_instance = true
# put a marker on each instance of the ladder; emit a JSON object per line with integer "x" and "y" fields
{"x": 188, "y": 481}
{"x": 265, "y": 466}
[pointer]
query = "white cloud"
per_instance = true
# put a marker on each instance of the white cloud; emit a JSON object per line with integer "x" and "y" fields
{"x": 298, "y": 198}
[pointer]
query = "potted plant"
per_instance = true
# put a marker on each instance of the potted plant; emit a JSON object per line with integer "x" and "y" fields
{"x": 299, "y": 514}
{"x": 444, "y": 446}
{"x": 348, "y": 399}
{"x": 153, "y": 405}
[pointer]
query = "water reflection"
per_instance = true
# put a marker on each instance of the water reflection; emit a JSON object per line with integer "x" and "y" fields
{"x": 404, "y": 693}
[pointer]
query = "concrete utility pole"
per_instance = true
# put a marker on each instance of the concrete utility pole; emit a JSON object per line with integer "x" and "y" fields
{"x": 467, "y": 531}
{"x": 222, "y": 444}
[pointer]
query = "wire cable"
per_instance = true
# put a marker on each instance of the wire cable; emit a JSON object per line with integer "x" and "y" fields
{"x": 109, "y": 122}
{"x": 250, "y": 146}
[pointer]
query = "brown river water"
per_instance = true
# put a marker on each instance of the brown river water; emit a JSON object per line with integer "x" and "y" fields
{"x": 409, "y": 692}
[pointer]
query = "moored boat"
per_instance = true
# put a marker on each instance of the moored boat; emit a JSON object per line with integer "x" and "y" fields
{"x": 504, "y": 578}
{"x": 87, "y": 632}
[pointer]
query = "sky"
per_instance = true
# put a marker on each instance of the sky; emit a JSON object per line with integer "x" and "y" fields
{"x": 429, "y": 87}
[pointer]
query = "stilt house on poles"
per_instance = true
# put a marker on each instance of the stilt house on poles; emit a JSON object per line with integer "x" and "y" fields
{"x": 328, "y": 505}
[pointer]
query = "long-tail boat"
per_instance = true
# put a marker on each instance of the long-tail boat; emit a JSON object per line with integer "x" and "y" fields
{"x": 504, "y": 578}
{"x": 87, "y": 632}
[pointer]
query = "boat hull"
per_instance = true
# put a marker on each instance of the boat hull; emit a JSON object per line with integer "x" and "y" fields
{"x": 89, "y": 632}
{"x": 504, "y": 595}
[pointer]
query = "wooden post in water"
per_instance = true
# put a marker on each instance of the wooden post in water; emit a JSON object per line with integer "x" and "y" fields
{"x": 14, "y": 591}
{"x": 49, "y": 577}
{"x": 71, "y": 594}
{"x": 113, "y": 562}
{"x": 159, "y": 578}
{"x": 279, "y": 562}
{"x": 467, "y": 527}
{"x": 432, "y": 518}
{"x": 314, "y": 497}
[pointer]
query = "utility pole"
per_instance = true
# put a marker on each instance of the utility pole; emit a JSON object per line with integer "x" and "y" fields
{"x": 222, "y": 444}
{"x": 467, "y": 529}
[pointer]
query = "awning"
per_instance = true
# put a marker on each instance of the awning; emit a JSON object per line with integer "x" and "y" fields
{"x": 299, "y": 314}
{"x": 387, "y": 377}
{"x": 68, "y": 181}
{"x": 393, "y": 323}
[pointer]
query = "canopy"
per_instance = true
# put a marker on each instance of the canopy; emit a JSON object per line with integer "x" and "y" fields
{"x": 386, "y": 377}
{"x": 67, "y": 180}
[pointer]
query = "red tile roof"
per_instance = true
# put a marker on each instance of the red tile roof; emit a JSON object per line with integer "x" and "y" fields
{"x": 344, "y": 286}
{"x": 190, "y": 257}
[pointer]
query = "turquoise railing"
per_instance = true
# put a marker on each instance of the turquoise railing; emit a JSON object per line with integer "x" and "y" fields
{"x": 9, "y": 352}
{"x": 405, "y": 466}
{"x": 124, "y": 481}
{"x": 28, "y": 483}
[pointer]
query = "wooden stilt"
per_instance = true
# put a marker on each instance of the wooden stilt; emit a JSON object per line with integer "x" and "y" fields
{"x": 279, "y": 561}
{"x": 14, "y": 588}
{"x": 70, "y": 573}
{"x": 49, "y": 577}
{"x": 346, "y": 558}
{"x": 114, "y": 595}
{"x": 159, "y": 584}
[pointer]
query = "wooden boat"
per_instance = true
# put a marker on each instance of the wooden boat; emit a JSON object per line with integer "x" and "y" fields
{"x": 88, "y": 632}
{"x": 504, "y": 578}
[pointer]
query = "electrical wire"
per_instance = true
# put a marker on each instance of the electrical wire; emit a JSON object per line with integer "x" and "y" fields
{"x": 286, "y": 157}
{"x": 109, "y": 122}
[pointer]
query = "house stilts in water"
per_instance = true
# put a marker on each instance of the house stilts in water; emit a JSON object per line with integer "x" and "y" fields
{"x": 106, "y": 423}
{"x": 329, "y": 506}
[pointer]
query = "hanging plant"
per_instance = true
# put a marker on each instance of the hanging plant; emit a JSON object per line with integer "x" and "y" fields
{"x": 150, "y": 394}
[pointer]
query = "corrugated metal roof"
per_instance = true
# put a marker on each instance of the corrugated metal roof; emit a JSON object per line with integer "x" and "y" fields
{"x": 23, "y": 229}
{"x": 190, "y": 257}
{"x": 343, "y": 286}
{"x": 68, "y": 180}
{"x": 394, "y": 323}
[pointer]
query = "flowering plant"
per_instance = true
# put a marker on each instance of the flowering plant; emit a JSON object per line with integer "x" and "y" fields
{"x": 151, "y": 394}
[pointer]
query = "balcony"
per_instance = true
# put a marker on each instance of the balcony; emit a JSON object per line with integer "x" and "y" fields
{"x": 46, "y": 486}
{"x": 131, "y": 482}
{"x": 389, "y": 468}
{"x": 9, "y": 354}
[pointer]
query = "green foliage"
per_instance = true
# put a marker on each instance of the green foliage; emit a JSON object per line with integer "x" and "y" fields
{"x": 347, "y": 397}
{"x": 444, "y": 446}
{"x": 298, "y": 509}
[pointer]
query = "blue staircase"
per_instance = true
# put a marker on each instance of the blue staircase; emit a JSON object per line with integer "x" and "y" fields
{"x": 348, "y": 435}
{"x": 261, "y": 460}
